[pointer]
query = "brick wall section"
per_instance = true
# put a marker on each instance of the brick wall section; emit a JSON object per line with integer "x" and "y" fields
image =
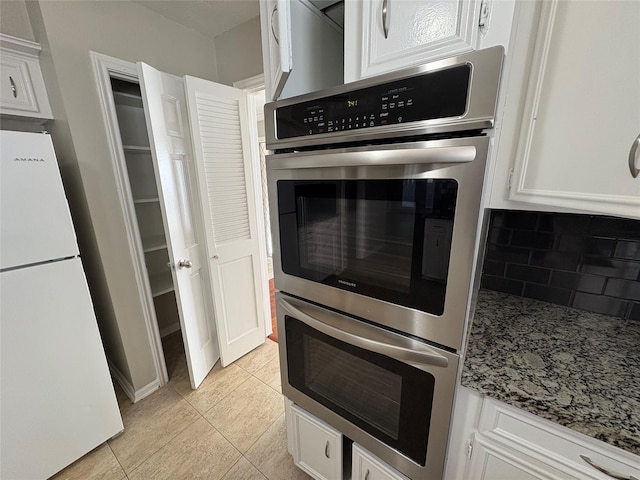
{"x": 583, "y": 261}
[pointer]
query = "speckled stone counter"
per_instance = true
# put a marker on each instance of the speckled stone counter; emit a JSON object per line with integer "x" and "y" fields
{"x": 576, "y": 368}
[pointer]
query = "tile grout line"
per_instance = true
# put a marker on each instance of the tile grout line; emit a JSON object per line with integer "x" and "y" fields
{"x": 163, "y": 445}
{"x": 116, "y": 457}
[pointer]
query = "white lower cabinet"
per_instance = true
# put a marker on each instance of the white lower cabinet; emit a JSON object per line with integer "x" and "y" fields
{"x": 512, "y": 444}
{"x": 365, "y": 466}
{"x": 317, "y": 447}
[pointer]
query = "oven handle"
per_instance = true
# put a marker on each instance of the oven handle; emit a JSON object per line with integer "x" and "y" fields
{"x": 412, "y": 153}
{"x": 417, "y": 356}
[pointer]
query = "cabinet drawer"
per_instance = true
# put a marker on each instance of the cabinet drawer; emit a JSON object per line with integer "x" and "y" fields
{"x": 317, "y": 447}
{"x": 365, "y": 466}
{"x": 556, "y": 446}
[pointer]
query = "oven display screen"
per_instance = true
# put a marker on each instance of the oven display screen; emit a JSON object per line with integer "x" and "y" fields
{"x": 440, "y": 94}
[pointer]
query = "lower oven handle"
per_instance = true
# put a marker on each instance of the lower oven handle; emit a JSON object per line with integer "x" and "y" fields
{"x": 411, "y": 356}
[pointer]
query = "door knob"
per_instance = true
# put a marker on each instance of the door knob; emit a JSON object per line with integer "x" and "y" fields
{"x": 182, "y": 263}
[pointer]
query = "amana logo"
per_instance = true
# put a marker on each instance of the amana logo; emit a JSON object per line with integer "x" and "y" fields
{"x": 28, "y": 159}
{"x": 349, "y": 284}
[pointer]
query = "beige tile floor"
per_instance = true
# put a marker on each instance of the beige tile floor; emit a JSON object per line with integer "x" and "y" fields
{"x": 231, "y": 428}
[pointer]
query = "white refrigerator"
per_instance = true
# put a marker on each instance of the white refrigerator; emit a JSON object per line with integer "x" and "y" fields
{"x": 57, "y": 400}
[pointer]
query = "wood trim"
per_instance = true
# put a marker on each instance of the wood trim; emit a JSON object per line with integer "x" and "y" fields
{"x": 105, "y": 67}
{"x": 251, "y": 84}
{"x": 20, "y": 45}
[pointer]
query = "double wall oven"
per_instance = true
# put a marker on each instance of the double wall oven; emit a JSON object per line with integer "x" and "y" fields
{"x": 375, "y": 190}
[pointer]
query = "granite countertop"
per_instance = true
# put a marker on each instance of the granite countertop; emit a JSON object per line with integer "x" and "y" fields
{"x": 576, "y": 368}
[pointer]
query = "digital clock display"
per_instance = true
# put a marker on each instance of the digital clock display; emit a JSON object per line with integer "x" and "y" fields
{"x": 439, "y": 94}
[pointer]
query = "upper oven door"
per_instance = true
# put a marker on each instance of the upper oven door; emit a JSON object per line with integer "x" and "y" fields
{"x": 383, "y": 232}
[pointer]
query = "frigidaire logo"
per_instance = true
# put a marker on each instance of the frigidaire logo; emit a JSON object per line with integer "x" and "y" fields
{"x": 349, "y": 284}
{"x": 28, "y": 159}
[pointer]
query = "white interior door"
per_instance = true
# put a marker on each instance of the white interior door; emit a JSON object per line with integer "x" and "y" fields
{"x": 167, "y": 125}
{"x": 225, "y": 143}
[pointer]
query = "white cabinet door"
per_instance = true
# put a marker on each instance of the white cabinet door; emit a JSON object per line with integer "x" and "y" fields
{"x": 365, "y": 466}
{"x": 22, "y": 89}
{"x": 513, "y": 444}
{"x": 302, "y": 49}
{"x": 168, "y": 127}
{"x": 317, "y": 447}
{"x": 387, "y": 35}
{"x": 496, "y": 462}
{"x": 275, "y": 23}
{"x": 582, "y": 114}
{"x": 225, "y": 146}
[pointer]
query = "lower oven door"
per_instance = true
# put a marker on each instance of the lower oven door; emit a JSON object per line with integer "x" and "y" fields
{"x": 388, "y": 392}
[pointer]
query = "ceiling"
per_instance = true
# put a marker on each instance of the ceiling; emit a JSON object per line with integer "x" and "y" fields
{"x": 209, "y": 17}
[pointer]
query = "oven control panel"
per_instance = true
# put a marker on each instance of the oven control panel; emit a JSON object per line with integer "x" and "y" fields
{"x": 431, "y": 95}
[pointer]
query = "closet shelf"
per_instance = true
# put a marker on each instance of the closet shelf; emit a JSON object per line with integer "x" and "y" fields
{"x": 136, "y": 148}
{"x": 161, "y": 283}
{"x": 130, "y": 99}
{"x": 152, "y": 244}
{"x": 146, "y": 199}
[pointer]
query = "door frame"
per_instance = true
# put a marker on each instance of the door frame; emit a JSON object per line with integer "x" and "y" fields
{"x": 105, "y": 68}
{"x": 253, "y": 85}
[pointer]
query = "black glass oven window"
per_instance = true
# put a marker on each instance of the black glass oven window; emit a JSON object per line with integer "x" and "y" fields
{"x": 386, "y": 398}
{"x": 365, "y": 390}
{"x": 387, "y": 239}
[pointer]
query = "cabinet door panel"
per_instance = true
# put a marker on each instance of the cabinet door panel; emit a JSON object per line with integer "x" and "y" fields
{"x": 394, "y": 34}
{"x": 583, "y": 109}
{"x": 367, "y": 467}
{"x": 495, "y": 462}
{"x": 317, "y": 448}
{"x": 275, "y": 21}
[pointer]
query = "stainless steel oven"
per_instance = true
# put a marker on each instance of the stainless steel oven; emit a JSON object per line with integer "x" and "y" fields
{"x": 390, "y": 393}
{"x": 375, "y": 193}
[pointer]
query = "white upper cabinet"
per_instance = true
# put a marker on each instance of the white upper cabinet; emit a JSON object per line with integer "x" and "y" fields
{"x": 578, "y": 143}
{"x": 22, "y": 90}
{"x": 275, "y": 23}
{"x": 302, "y": 48}
{"x": 387, "y": 35}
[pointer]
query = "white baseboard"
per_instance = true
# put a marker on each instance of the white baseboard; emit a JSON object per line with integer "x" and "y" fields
{"x": 134, "y": 395}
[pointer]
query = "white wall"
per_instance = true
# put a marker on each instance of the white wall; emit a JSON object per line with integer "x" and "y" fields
{"x": 14, "y": 19}
{"x": 68, "y": 30}
{"x": 239, "y": 52}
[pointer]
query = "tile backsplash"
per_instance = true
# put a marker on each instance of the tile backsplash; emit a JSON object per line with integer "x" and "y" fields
{"x": 583, "y": 261}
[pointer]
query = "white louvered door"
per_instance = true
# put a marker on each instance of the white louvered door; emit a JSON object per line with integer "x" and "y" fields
{"x": 224, "y": 142}
{"x": 168, "y": 128}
